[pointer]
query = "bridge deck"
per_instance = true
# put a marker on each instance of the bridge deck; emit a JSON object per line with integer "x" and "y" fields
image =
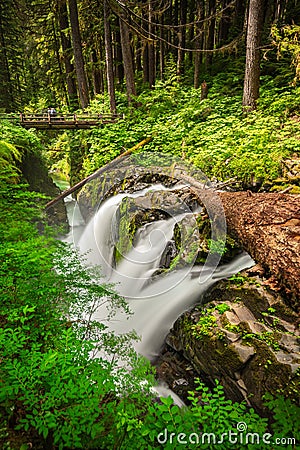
{"x": 66, "y": 121}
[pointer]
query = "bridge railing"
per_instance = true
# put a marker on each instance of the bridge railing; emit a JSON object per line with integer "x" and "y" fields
{"x": 67, "y": 118}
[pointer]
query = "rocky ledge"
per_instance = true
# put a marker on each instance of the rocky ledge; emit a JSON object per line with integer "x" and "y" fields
{"x": 244, "y": 335}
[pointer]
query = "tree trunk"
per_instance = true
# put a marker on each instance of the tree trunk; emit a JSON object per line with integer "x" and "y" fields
{"x": 239, "y": 15}
{"x": 119, "y": 69}
{"x": 210, "y": 38}
{"x": 6, "y": 96}
{"x": 66, "y": 47}
{"x": 181, "y": 37}
{"x": 56, "y": 47}
{"x": 191, "y": 17}
{"x": 109, "y": 59}
{"x": 268, "y": 227}
{"x": 145, "y": 62}
{"x": 148, "y": 49}
{"x": 252, "y": 68}
{"x": 151, "y": 50}
{"x": 161, "y": 50}
{"x": 127, "y": 61}
{"x": 97, "y": 75}
{"x": 198, "y": 44}
{"x": 224, "y": 24}
{"x": 78, "y": 56}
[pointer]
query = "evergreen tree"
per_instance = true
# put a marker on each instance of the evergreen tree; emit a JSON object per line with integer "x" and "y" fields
{"x": 252, "y": 69}
{"x": 109, "y": 58}
{"x": 78, "y": 55}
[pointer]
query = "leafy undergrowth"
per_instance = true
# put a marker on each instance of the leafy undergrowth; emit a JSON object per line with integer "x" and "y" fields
{"x": 55, "y": 395}
{"x": 213, "y": 133}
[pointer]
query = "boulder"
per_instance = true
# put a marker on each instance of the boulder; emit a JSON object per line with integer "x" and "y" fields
{"x": 244, "y": 336}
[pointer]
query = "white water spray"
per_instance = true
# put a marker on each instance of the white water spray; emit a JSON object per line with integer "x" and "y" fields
{"x": 155, "y": 302}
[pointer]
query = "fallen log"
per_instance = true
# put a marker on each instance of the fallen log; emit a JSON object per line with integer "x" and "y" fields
{"x": 98, "y": 172}
{"x": 266, "y": 224}
{"x": 268, "y": 227}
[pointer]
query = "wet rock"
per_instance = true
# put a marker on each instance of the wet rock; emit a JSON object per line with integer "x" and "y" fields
{"x": 192, "y": 233}
{"x": 242, "y": 336}
{"x": 169, "y": 253}
{"x": 134, "y": 213}
{"x": 173, "y": 369}
{"x": 35, "y": 173}
{"x": 125, "y": 178}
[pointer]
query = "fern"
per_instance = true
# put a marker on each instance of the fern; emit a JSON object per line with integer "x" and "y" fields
{"x": 9, "y": 156}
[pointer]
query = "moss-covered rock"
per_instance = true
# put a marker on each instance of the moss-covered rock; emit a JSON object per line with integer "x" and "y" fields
{"x": 246, "y": 337}
{"x": 35, "y": 173}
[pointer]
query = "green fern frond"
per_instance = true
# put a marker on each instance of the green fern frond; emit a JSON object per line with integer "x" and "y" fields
{"x": 9, "y": 152}
{"x": 9, "y": 156}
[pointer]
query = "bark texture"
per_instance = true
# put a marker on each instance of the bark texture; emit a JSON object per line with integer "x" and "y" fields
{"x": 78, "y": 56}
{"x": 109, "y": 59}
{"x": 268, "y": 226}
{"x": 252, "y": 68}
{"x": 66, "y": 47}
{"x": 127, "y": 60}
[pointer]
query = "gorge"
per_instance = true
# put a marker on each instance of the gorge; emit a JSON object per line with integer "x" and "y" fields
{"x": 149, "y": 240}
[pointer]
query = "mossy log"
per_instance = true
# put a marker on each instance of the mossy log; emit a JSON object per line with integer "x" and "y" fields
{"x": 268, "y": 227}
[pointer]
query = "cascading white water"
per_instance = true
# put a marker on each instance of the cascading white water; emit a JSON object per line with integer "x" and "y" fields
{"x": 155, "y": 303}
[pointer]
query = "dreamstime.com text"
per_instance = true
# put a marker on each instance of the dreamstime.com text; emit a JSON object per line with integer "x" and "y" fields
{"x": 238, "y": 436}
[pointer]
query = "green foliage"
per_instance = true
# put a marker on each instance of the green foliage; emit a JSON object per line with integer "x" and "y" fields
{"x": 9, "y": 155}
{"x": 207, "y": 321}
{"x": 287, "y": 40}
{"x": 206, "y": 422}
{"x": 59, "y": 154}
{"x": 219, "y": 415}
{"x": 217, "y": 246}
{"x": 269, "y": 337}
{"x": 64, "y": 377}
{"x": 205, "y": 324}
{"x": 25, "y": 141}
{"x": 239, "y": 279}
{"x": 47, "y": 339}
{"x": 213, "y": 134}
{"x": 286, "y": 417}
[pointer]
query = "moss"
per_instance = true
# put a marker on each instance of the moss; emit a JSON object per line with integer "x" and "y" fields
{"x": 207, "y": 324}
{"x": 295, "y": 190}
{"x": 227, "y": 358}
{"x": 126, "y": 229}
{"x": 269, "y": 337}
{"x": 267, "y": 371}
{"x": 229, "y": 326}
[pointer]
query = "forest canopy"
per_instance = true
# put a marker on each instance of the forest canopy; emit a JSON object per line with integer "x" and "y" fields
{"x": 66, "y": 52}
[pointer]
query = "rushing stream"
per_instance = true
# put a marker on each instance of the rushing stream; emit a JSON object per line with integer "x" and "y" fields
{"x": 155, "y": 303}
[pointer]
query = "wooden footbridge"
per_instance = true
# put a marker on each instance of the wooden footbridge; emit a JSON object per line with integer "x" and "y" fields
{"x": 61, "y": 122}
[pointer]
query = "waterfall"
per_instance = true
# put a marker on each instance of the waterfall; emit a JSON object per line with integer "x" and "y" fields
{"x": 156, "y": 302}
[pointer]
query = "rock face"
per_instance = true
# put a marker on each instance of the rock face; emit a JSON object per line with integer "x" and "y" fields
{"x": 35, "y": 173}
{"x": 122, "y": 179}
{"x": 133, "y": 213}
{"x": 245, "y": 337}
